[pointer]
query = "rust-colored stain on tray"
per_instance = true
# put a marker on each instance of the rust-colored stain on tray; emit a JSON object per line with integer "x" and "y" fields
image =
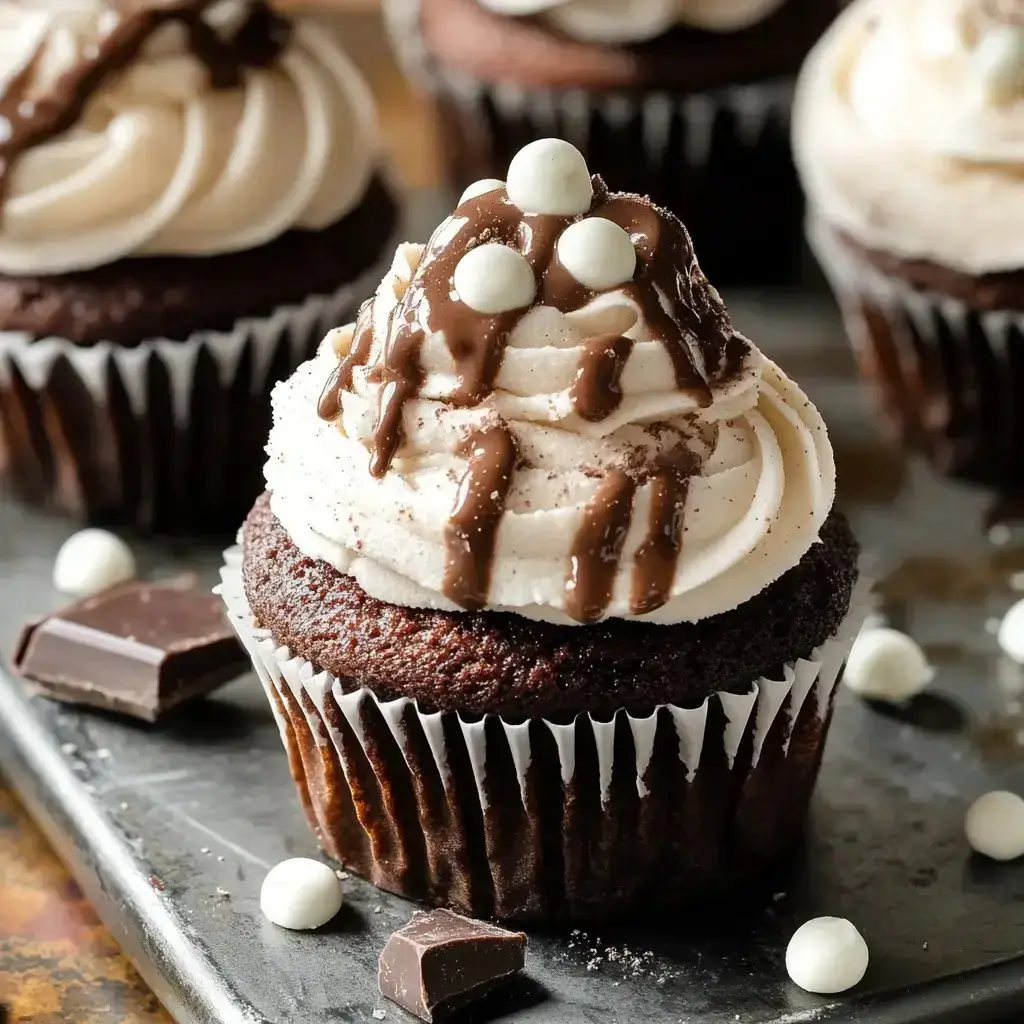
{"x": 58, "y": 964}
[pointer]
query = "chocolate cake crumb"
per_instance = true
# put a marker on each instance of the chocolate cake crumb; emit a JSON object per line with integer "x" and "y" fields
{"x": 503, "y": 663}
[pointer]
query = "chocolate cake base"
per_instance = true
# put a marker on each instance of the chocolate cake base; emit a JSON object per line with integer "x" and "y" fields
{"x": 172, "y": 297}
{"x": 945, "y": 351}
{"x": 488, "y": 663}
{"x": 544, "y": 772}
{"x": 138, "y": 394}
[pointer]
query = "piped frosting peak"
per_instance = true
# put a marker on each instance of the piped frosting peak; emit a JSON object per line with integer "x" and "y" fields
{"x": 550, "y": 404}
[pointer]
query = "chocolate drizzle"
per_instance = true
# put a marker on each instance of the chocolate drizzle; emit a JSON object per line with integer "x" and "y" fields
{"x": 358, "y": 354}
{"x": 680, "y": 310}
{"x": 472, "y": 529}
{"x": 597, "y": 391}
{"x": 597, "y": 547}
{"x": 31, "y": 120}
{"x": 654, "y": 564}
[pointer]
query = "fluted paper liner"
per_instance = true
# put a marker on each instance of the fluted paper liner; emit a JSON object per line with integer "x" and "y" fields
{"x": 541, "y": 819}
{"x": 951, "y": 378}
{"x": 165, "y": 435}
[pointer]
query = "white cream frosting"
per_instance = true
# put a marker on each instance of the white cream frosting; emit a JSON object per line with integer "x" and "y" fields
{"x": 909, "y": 131}
{"x": 766, "y": 484}
{"x": 633, "y": 21}
{"x": 162, "y": 163}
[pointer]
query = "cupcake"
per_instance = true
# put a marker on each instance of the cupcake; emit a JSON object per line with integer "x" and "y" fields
{"x": 908, "y": 133}
{"x": 687, "y": 101}
{"x": 190, "y": 197}
{"x": 546, "y": 591}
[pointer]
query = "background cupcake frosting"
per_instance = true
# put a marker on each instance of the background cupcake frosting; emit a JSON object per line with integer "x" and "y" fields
{"x": 161, "y": 162}
{"x": 764, "y": 486}
{"x": 909, "y": 127}
{"x": 629, "y": 21}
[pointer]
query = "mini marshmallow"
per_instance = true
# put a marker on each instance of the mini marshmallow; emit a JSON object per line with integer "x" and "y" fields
{"x": 888, "y": 665}
{"x": 598, "y": 253}
{"x": 998, "y": 60}
{"x": 827, "y": 955}
{"x": 481, "y": 188}
{"x": 300, "y": 894}
{"x": 493, "y": 278}
{"x": 1011, "y": 633}
{"x": 994, "y": 825}
{"x": 550, "y": 176}
{"x": 90, "y": 561}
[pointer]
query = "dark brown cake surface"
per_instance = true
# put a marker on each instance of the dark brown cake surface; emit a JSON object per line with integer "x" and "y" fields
{"x": 173, "y": 296}
{"x": 462, "y": 35}
{"x": 503, "y": 663}
{"x": 999, "y": 290}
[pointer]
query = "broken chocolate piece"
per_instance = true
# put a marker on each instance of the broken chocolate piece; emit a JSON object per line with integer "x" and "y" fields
{"x": 138, "y": 648}
{"x": 441, "y": 961}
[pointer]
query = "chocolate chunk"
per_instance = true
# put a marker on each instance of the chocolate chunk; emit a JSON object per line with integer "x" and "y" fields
{"x": 441, "y": 961}
{"x": 137, "y": 648}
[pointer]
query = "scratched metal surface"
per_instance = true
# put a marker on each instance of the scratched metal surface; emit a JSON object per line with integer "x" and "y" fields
{"x": 170, "y": 830}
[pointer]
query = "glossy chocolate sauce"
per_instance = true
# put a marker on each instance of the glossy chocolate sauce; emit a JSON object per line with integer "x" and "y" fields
{"x": 31, "y": 119}
{"x": 341, "y": 379}
{"x": 597, "y": 390}
{"x": 473, "y": 526}
{"x": 597, "y": 547}
{"x": 680, "y": 310}
{"x": 656, "y": 558}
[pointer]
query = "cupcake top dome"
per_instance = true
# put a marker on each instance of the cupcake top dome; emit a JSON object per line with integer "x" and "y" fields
{"x": 632, "y": 21}
{"x": 546, "y": 410}
{"x": 181, "y": 127}
{"x": 909, "y": 129}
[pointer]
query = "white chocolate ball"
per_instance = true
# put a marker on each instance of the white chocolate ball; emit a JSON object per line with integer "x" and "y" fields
{"x": 550, "y": 176}
{"x": 480, "y": 188}
{"x": 300, "y": 894}
{"x": 827, "y": 955}
{"x": 1011, "y": 633}
{"x": 998, "y": 60}
{"x": 888, "y": 665}
{"x": 90, "y": 561}
{"x": 493, "y": 278}
{"x": 598, "y": 253}
{"x": 994, "y": 825}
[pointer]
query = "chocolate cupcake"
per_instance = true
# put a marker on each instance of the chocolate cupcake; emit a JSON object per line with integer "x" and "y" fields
{"x": 684, "y": 100}
{"x": 908, "y": 130}
{"x": 190, "y": 197}
{"x": 546, "y": 593}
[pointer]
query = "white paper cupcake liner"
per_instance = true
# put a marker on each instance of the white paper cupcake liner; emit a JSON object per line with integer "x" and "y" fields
{"x": 534, "y": 819}
{"x": 950, "y": 377}
{"x": 134, "y": 436}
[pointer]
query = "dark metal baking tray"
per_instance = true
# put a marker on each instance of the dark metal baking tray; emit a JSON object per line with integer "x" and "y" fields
{"x": 171, "y": 829}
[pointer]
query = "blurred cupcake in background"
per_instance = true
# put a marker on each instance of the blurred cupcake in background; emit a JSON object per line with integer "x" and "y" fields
{"x": 191, "y": 196}
{"x": 687, "y": 101}
{"x": 909, "y": 135}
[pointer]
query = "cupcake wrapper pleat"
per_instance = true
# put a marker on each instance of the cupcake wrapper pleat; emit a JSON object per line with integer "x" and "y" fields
{"x": 550, "y": 820}
{"x": 163, "y": 436}
{"x": 950, "y": 378}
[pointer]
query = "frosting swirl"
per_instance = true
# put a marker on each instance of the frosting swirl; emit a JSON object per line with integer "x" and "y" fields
{"x": 909, "y": 130}
{"x": 186, "y": 128}
{"x": 633, "y": 21}
{"x": 582, "y": 450}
